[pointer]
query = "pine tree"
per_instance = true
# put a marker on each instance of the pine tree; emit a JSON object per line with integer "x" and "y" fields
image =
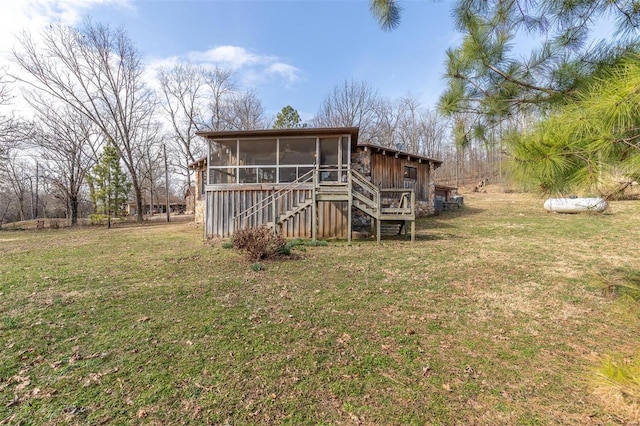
{"x": 288, "y": 118}
{"x": 592, "y": 144}
{"x": 109, "y": 185}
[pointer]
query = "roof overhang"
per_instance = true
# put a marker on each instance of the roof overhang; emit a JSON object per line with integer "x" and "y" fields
{"x": 264, "y": 133}
{"x": 401, "y": 154}
{"x": 198, "y": 164}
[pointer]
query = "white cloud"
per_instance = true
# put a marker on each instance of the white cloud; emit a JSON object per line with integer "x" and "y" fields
{"x": 287, "y": 71}
{"x": 233, "y": 57}
{"x": 18, "y": 16}
{"x": 250, "y": 69}
{"x": 31, "y": 15}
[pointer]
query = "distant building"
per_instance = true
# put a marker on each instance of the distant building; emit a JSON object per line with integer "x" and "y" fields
{"x": 176, "y": 206}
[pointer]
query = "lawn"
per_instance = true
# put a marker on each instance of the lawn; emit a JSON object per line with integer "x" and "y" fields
{"x": 496, "y": 315}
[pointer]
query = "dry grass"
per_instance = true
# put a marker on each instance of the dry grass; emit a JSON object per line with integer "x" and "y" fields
{"x": 491, "y": 317}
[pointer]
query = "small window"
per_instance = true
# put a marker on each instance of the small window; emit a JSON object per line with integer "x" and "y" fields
{"x": 410, "y": 173}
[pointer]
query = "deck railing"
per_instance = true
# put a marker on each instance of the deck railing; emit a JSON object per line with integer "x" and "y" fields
{"x": 390, "y": 204}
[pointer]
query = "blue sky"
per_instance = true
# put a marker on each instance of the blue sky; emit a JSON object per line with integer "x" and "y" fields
{"x": 289, "y": 52}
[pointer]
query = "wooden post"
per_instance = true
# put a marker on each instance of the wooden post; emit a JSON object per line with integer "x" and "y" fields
{"x": 314, "y": 206}
{"x": 273, "y": 209}
{"x": 349, "y": 205}
{"x": 379, "y": 214}
{"x": 413, "y": 216}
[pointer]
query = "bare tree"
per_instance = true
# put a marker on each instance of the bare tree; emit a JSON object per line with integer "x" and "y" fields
{"x": 197, "y": 98}
{"x": 221, "y": 90}
{"x": 17, "y": 175}
{"x": 402, "y": 124}
{"x": 245, "y": 112}
{"x": 97, "y": 72}
{"x": 419, "y": 130}
{"x": 350, "y": 104}
{"x": 68, "y": 143}
{"x": 12, "y": 130}
{"x": 6, "y": 204}
{"x": 183, "y": 90}
{"x": 384, "y": 127}
{"x": 150, "y": 164}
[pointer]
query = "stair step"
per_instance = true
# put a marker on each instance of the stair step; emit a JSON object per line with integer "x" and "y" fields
{"x": 390, "y": 228}
{"x": 297, "y": 209}
{"x": 332, "y": 197}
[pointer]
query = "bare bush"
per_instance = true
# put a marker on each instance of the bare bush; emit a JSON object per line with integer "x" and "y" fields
{"x": 259, "y": 243}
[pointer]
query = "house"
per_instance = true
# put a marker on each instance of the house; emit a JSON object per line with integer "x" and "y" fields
{"x": 309, "y": 183}
{"x": 176, "y": 206}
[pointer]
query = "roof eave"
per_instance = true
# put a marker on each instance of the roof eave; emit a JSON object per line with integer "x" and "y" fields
{"x": 303, "y": 131}
{"x": 398, "y": 153}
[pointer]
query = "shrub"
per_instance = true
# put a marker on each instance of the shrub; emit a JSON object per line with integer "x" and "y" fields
{"x": 97, "y": 218}
{"x": 300, "y": 244}
{"x": 259, "y": 243}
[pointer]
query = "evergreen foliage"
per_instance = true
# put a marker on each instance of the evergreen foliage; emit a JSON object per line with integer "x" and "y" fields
{"x": 488, "y": 77}
{"x": 387, "y": 12}
{"x": 288, "y": 118}
{"x": 109, "y": 184}
{"x": 591, "y": 144}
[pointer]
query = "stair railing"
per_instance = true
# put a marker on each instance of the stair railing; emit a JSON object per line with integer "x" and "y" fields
{"x": 405, "y": 204}
{"x": 366, "y": 193}
{"x": 271, "y": 200}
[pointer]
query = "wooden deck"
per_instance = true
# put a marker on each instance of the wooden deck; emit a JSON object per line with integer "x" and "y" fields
{"x": 308, "y": 208}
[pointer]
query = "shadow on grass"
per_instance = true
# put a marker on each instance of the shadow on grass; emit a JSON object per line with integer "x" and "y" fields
{"x": 83, "y": 223}
{"x": 443, "y": 220}
{"x": 407, "y": 238}
{"x": 455, "y": 213}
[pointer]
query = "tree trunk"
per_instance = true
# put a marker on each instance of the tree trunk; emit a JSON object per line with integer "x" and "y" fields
{"x": 73, "y": 201}
{"x": 138, "y": 193}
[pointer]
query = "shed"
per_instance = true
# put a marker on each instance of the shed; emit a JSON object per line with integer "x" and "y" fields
{"x": 443, "y": 194}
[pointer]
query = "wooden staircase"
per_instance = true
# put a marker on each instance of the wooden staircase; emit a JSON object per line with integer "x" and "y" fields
{"x": 299, "y": 208}
{"x": 391, "y": 228}
{"x": 391, "y": 209}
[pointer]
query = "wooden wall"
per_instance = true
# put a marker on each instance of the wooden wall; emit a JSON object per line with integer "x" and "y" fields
{"x": 223, "y": 205}
{"x": 388, "y": 172}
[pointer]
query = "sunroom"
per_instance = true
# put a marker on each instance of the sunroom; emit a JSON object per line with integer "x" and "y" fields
{"x": 268, "y": 159}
